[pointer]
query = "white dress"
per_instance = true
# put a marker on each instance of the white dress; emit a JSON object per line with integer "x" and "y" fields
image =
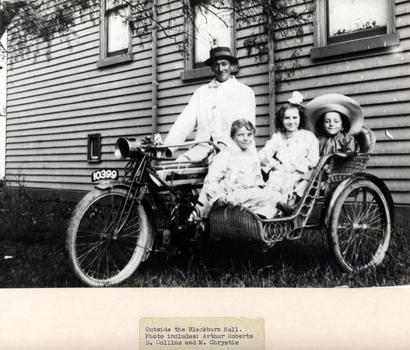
{"x": 236, "y": 174}
{"x": 288, "y": 159}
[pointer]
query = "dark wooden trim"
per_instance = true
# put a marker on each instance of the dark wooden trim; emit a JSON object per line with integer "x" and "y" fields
{"x": 358, "y": 45}
{"x": 197, "y": 74}
{"x": 91, "y": 139}
{"x": 201, "y": 73}
{"x": 366, "y": 33}
{"x": 109, "y": 61}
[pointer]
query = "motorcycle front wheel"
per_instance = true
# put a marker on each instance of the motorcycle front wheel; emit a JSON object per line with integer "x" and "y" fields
{"x": 104, "y": 247}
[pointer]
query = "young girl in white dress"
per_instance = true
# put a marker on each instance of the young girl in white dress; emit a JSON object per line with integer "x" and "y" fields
{"x": 290, "y": 155}
{"x": 235, "y": 176}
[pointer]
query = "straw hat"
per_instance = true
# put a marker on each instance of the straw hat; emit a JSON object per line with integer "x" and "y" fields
{"x": 220, "y": 53}
{"x": 334, "y": 103}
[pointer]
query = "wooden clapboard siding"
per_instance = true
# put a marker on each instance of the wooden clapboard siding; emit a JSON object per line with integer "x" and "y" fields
{"x": 379, "y": 80}
{"x": 54, "y": 104}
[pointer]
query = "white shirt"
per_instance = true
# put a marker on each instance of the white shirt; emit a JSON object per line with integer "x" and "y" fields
{"x": 212, "y": 110}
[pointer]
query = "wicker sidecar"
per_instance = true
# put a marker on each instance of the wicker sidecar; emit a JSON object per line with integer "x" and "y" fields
{"x": 357, "y": 211}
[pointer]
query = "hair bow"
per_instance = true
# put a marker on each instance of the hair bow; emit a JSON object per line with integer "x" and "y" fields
{"x": 297, "y": 98}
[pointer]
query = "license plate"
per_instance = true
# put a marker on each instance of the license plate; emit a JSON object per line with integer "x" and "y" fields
{"x": 104, "y": 174}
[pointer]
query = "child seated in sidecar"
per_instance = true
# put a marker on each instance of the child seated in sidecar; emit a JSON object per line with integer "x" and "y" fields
{"x": 235, "y": 175}
{"x": 290, "y": 155}
{"x": 336, "y": 120}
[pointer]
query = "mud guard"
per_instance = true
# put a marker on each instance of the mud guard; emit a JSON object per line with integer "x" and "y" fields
{"x": 331, "y": 199}
{"x": 108, "y": 184}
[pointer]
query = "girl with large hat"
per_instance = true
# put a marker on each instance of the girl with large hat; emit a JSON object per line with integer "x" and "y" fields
{"x": 335, "y": 119}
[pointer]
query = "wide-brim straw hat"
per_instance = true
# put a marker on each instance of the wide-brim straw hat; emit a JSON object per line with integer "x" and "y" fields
{"x": 334, "y": 103}
{"x": 220, "y": 53}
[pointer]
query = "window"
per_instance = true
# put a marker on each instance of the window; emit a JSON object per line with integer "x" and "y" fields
{"x": 342, "y": 26}
{"x": 115, "y": 33}
{"x": 213, "y": 26}
{"x": 351, "y": 26}
{"x": 94, "y": 148}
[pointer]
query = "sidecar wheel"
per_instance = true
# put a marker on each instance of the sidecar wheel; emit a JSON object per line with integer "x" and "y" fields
{"x": 360, "y": 226}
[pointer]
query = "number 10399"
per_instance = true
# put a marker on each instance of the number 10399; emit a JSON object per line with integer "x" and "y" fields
{"x": 104, "y": 174}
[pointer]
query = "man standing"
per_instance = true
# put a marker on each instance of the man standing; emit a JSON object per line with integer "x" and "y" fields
{"x": 213, "y": 108}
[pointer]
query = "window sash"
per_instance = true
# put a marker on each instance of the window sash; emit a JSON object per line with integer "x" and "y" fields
{"x": 342, "y": 26}
{"x": 212, "y": 29}
{"x": 115, "y": 34}
{"x": 375, "y": 38}
{"x": 118, "y": 33}
{"x": 196, "y": 69}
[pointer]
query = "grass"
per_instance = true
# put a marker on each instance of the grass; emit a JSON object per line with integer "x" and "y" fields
{"x": 31, "y": 242}
{"x": 32, "y": 235}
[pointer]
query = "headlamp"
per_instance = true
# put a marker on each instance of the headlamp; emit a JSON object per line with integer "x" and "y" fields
{"x": 127, "y": 148}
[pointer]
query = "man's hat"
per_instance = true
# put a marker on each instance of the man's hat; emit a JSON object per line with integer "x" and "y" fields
{"x": 220, "y": 53}
{"x": 334, "y": 103}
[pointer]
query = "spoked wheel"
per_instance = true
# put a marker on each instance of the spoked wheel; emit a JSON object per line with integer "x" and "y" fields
{"x": 102, "y": 249}
{"x": 360, "y": 226}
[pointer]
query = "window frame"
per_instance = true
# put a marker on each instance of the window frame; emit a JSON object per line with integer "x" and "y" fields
{"x": 191, "y": 72}
{"x": 105, "y": 58}
{"x": 323, "y": 49}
